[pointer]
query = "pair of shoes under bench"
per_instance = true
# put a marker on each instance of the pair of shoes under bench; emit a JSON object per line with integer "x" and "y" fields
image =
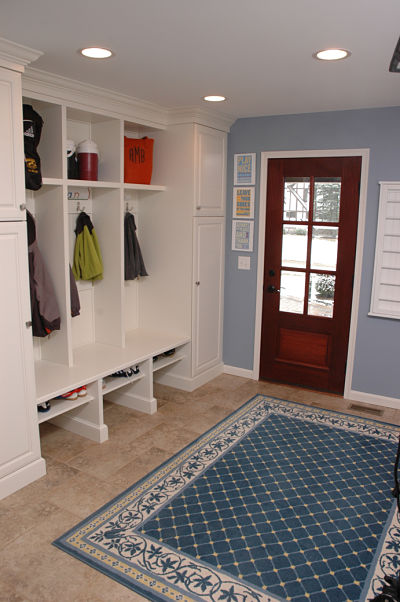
{"x": 44, "y": 407}
{"x": 127, "y": 372}
{"x": 74, "y": 394}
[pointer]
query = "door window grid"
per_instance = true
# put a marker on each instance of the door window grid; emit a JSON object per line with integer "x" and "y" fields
{"x": 310, "y": 231}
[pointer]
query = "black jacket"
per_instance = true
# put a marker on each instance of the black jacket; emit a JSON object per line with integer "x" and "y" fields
{"x": 134, "y": 264}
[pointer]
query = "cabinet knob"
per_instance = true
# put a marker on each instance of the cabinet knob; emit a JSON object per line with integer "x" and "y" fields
{"x": 22, "y": 206}
{"x": 198, "y": 207}
{"x": 197, "y": 283}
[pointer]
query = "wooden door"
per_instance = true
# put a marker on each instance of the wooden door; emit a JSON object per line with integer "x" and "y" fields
{"x": 311, "y": 229}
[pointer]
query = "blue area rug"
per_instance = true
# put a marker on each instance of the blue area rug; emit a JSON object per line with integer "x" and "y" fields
{"x": 279, "y": 501}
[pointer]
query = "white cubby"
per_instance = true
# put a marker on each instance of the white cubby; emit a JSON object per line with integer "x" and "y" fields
{"x": 113, "y": 330}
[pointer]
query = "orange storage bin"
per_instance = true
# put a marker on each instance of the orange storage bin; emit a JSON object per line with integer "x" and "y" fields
{"x": 138, "y": 160}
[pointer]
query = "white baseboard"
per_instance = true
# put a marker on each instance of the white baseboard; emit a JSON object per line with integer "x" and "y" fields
{"x": 84, "y": 428}
{"x": 189, "y": 384}
{"x": 377, "y": 400}
{"x": 134, "y": 402}
{"x": 239, "y": 372}
{"x": 22, "y": 477}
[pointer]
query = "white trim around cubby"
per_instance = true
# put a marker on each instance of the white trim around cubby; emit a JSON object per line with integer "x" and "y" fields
{"x": 200, "y": 116}
{"x": 15, "y": 56}
{"x": 62, "y": 90}
{"x": 189, "y": 384}
{"x": 22, "y": 477}
{"x": 82, "y": 427}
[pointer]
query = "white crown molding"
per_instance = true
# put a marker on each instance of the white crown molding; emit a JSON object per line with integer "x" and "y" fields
{"x": 15, "y": 56}
{"x": 207, "y": 117}
{"x": 56, "y": 88}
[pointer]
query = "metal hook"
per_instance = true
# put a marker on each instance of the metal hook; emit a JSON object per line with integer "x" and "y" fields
{"x": 78, "y": 207}
{"x": 127, "y": 209}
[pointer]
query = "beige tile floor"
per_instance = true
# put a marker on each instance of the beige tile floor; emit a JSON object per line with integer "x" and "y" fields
{"x": 83, "y": 475}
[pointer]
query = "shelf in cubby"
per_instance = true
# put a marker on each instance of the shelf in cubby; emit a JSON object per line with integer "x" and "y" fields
{"x": 116, "y": 382}
{"x": 52, "y": 181}
{"x": 93, "y": 184}
{"x": 163, "y": 362}
{"x": 149, "y": 187}
{"x": 60, "y": 406}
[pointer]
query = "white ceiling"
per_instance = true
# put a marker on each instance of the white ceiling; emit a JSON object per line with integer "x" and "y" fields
{"x": 258, "y": 53}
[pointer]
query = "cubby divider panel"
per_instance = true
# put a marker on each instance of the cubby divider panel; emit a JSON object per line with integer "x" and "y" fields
{"x": 51, "y": 235}
{"x": 108, "y": 292}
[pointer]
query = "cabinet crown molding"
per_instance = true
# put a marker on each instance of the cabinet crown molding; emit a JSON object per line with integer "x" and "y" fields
{"x": 60, "y": 89}
{"x": 63, "y": 90}
{"x": 218, "y": 121}
{"x": 15, "y": 56}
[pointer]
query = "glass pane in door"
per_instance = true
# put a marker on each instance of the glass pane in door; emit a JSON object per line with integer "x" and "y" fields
{"x": 324, "y": 247}
{"x": 292, "y": 292}
{"x": 296, "y": 200}
{"x": 321, "y": 295}
{"x": 327, "y": 199}
{"x": 294, "y": 246}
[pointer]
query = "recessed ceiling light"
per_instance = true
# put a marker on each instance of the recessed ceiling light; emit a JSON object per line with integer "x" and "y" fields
{"x": 214, "y": 98}
{"x": 96, "y": 53}
{"x": 331, "y": 54}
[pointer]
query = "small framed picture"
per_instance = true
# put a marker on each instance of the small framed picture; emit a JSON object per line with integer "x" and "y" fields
{"x": 242, "y": 235}
{"x": 245, "y": 169}
{"x": 243, "y": 202}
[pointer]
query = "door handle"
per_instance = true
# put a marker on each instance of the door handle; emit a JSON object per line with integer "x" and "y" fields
{"x": 272, "y": 289}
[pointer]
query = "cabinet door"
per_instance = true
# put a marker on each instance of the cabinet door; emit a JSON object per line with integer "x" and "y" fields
{"x": 11, "y": 147}
{"x": 210, "y": 171}
{"x": 209, "y": 246}
{"x": 19, "y": 435}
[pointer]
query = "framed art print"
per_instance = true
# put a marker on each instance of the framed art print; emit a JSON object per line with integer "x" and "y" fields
{"x": 245, "y": 169}
{"x": 243, "y": 202}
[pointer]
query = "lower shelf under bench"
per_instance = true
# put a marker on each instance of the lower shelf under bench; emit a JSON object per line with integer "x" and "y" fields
{"x": 94, "y": 366}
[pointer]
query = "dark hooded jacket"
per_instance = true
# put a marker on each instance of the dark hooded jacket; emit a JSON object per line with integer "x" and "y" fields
{"x": 44, "y": 306}
{"x": 134, "y": 264}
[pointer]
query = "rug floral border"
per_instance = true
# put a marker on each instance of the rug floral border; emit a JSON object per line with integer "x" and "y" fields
{"x": 110, "y": 542}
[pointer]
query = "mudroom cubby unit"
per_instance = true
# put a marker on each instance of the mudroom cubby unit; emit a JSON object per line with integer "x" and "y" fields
{"x": 147, "y": 326}
{"x": 121, "y": 324}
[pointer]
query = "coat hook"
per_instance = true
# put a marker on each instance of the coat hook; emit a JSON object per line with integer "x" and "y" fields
{"x": 127, "y": 209}
{"x": 79, "y": 208}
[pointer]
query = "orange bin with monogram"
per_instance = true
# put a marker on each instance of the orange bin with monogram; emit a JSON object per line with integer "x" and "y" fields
{"x": 138, "y": 160}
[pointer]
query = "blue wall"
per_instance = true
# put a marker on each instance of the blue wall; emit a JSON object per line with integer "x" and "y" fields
{"x": 377, "y": 358}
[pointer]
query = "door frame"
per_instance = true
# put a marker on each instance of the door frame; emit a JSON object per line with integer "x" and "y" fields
{"x": 265, "y": 156}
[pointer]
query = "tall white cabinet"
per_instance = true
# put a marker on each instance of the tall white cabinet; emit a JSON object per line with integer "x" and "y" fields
{"x": 20, "y": 461}
{"x": 195, "y": 172}
{"x": 168, "y": 325}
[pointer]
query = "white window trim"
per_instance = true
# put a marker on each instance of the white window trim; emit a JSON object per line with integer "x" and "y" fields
{"x": 377, "y": 310}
